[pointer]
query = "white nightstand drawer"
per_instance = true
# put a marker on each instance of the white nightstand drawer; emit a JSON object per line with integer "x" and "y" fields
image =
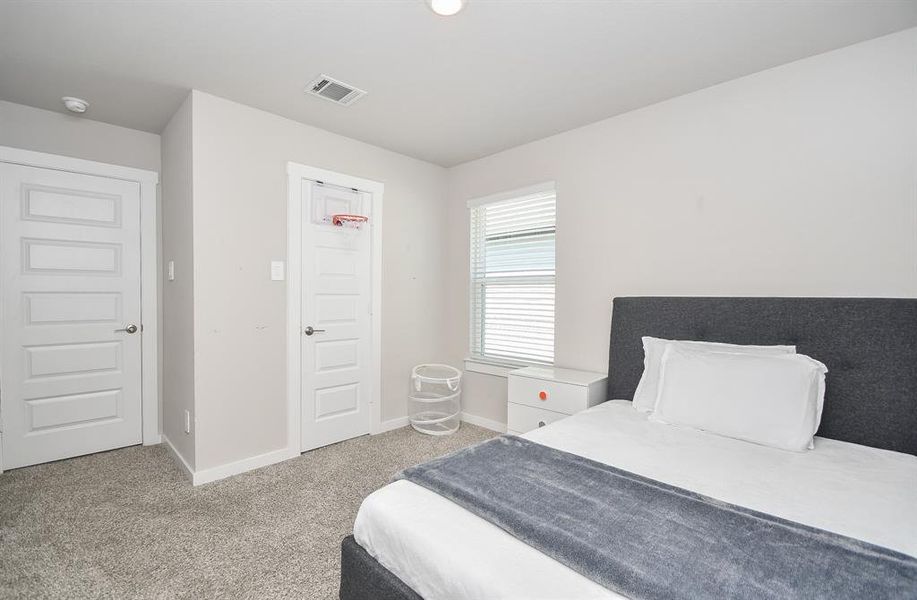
{"x": 526, "y": 418}
{"x": 549, "y": 395}
{"x": 541, "y": 395}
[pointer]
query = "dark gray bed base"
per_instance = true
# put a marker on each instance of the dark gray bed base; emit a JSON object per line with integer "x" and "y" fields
{"x": 363, "y": 578}
{"x": 868, "y": 344}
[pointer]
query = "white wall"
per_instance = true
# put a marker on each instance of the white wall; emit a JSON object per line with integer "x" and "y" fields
{"x": 68, "y": 135}
{"x": 800, "y": 180}
{"x": 240, "y": 156}
{"x": 177, "y": 345}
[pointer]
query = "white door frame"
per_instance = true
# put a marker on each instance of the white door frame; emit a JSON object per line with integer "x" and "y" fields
{"x": 295, "y": 173}
{"x": 149, "y": 265}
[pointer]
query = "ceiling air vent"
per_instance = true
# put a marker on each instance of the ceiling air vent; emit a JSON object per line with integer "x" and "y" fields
{"x": 334, "y": 90}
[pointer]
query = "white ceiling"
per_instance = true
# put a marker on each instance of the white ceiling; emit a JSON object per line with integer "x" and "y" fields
{"x": 446, "y": 90}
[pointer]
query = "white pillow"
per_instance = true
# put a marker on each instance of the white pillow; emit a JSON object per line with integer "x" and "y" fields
{"x": 771, "y": 400}
{"x": 653, "y": 348}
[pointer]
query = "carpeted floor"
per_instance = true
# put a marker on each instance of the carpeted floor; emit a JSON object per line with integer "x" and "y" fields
{"x": 128, "y": 524}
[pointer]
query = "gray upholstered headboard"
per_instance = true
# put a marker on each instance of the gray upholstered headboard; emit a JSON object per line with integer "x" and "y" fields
{"x": 868, "y": 344}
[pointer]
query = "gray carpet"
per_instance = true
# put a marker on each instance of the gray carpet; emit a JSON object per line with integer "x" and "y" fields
{"x": 128, "y": 524}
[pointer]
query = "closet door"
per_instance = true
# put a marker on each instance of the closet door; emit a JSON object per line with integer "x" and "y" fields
{"x": 70, "y": 356}
{"x": 336, "y": 317}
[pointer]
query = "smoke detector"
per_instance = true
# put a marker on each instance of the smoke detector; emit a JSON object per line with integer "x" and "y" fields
{"x": 75, "y": 105}
{"x": 334, "y": 90}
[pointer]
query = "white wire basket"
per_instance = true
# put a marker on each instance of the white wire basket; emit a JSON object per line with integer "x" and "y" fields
{"x": 435, "y": 402}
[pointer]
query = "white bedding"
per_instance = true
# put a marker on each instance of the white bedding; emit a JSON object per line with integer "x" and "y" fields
{"x": 444, "y": 552}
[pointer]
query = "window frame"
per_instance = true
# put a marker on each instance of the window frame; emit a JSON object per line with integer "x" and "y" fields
{"x": 482, "y": 363}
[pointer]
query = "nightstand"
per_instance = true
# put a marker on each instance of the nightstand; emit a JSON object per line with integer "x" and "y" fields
{"x": 541, "y": 395}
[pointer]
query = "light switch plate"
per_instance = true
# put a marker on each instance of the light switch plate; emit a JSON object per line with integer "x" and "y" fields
{"x": 171, "y": 270}
{"x": 276, "y": 270}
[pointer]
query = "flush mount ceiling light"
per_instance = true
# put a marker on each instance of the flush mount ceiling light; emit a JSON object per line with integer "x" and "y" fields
{"x": 446, "y": 8}
{"x": 75, "y": 105}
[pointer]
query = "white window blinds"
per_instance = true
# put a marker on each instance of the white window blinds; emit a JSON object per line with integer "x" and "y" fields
{"x": 512, "y": 279}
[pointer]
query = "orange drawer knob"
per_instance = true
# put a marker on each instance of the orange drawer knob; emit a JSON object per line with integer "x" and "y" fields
{"x": 543, "y": 395}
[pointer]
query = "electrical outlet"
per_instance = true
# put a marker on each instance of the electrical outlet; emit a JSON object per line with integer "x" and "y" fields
{"x": 187, "y": 421}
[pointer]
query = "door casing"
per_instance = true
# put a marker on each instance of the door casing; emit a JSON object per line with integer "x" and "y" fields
{"x": 149, "y": 269}
{"x": 295, "y": 174}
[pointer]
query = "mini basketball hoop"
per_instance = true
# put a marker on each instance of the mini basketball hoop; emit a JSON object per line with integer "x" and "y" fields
{"x": 352, "y": 221}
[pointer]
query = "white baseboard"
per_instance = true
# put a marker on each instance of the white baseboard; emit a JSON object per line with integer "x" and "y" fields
{"x": 396, "y": 423}
{"x": 229, "y": 469}
{"x": 189, "y": 472}
{"x": 241, "y": 466}
{"x": 485, "y": 423}
{"x": 400, "y": 422}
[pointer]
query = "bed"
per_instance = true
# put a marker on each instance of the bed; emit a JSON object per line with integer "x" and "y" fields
{"x": 859, "y": 481}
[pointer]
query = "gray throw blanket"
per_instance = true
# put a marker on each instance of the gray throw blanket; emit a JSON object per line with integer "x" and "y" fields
{"x": 649, "y": 540}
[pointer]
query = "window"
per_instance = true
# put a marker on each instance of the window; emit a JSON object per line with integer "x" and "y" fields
{"x": 512, "y": 277}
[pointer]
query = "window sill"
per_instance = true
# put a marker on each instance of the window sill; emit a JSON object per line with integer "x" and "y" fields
{"x": 497, "y": 369}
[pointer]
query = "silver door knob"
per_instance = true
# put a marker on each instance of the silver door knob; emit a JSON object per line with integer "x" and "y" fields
{"x": 309, "y": 330}
{"x": 129, "y": 329}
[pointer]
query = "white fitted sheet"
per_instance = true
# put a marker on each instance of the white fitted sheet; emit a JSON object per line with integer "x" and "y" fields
{"x": 444, "y": 552}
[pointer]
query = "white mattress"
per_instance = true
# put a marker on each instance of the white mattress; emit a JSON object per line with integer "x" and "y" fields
{"x": 444, "y": 552}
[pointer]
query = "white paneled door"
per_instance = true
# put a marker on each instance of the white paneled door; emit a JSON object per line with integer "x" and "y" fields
{"x": 336, "y": 319}
{"x": 70, "y": 357}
